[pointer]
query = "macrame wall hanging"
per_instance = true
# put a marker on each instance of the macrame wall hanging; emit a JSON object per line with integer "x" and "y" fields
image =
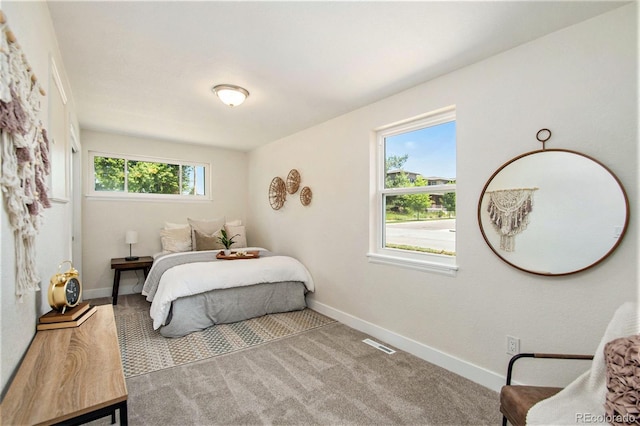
{"x": 562, "y": 182}
{"x": 25, "y": 156}
{"x": 509, "y": 213}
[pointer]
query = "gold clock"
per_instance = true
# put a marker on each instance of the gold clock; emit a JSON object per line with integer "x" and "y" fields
{"x": 65, "y": 289}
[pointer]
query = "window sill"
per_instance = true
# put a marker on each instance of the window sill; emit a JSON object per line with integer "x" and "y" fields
{"x": 420, "y": 265}
{"x": 172, "y": 199}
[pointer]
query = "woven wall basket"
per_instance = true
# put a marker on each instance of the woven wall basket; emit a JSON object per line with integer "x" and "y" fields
{"x": 293, "y": 181}
{"x": 277, "y": 193}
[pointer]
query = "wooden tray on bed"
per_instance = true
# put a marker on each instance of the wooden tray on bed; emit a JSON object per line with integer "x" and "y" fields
{"x": 254, "y": 254}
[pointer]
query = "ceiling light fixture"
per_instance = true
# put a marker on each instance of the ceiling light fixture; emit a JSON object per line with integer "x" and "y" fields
{"x": 230, "y": 95}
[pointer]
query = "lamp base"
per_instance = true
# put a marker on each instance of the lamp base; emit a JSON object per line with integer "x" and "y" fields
{"x": 131, "y": 258}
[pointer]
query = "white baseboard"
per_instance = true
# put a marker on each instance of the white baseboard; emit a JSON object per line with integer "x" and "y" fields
{"x": 96, "y": 293}
{"x": 463, "y": 368}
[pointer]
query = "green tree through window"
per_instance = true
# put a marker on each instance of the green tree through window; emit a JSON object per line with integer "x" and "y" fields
{"x": 109, "y": 174}
{"x": 418, "y": 203}
{"x": 114, "y": 174}
{"x": 153, "y": 178}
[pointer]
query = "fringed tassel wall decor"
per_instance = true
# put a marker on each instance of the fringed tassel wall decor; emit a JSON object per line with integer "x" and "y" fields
{"x": 24, "y": 157}
{"x": 509, "y": 213}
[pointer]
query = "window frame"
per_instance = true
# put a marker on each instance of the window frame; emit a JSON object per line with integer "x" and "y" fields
{"x": 378, "y": 253}
{"x": 92, "y": 193}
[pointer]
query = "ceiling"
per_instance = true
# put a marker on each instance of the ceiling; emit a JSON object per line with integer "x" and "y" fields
{"x": 147, "y": 68}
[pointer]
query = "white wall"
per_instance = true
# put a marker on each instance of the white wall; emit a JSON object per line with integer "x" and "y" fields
{"x": 105, "y": 221}
{"x": 31, "y": 23}
{"x": 580, "y": 82}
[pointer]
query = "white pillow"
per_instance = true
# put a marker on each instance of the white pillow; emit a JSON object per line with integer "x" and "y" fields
{"x": 241, "y": 240}
{"x": 236, "y": 222}
{"x": 170, "y": 225}
{"x": 205, "y": 227}
{"x": 176, "y": 240}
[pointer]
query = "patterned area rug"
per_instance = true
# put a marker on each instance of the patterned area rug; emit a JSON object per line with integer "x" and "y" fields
{"x": 144, "y": 350}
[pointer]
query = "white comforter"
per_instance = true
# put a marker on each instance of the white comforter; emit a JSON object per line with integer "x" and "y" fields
{"x": 195, "y": 278}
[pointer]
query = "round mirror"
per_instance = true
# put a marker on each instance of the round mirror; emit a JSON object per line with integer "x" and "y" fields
{"x": 553, "y": 212}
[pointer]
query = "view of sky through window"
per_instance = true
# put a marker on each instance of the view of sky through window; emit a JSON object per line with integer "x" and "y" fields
{"x": 431, "y": 151}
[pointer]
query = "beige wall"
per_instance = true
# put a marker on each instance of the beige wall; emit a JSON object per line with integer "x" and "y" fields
{"x": 580, "y": 82}
{"x": 105, "y": 221}
{"x": 31, "y": 23}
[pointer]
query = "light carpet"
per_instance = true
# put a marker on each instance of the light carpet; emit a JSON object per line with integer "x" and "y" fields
{"x": 324, "y": 376}
{"x": 144, "y": 350}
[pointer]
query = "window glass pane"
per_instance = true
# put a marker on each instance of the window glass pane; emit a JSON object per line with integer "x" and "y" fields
{"x": 415, "y": 222}
{"x": 188, "y": 180}
{"x": 421, "y": 157}
{"x": 109, "y": 174}
{"x": 153, "y": 178}
{"x": 200, "y": 180}
{"x": 193, "y": 180}
{"x": 421, "y": 221}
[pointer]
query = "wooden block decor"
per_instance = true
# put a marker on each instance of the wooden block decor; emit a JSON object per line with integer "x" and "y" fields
{"x": 72, "y": 318}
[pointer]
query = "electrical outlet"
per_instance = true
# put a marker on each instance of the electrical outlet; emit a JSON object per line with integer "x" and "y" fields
{"x": 513, "y": 345}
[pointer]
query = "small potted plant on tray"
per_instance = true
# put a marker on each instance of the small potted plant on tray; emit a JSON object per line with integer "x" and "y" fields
{"x": 226, "y": 241}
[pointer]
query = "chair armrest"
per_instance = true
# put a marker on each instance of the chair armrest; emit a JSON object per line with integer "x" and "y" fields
{"x": 513, "y": 360}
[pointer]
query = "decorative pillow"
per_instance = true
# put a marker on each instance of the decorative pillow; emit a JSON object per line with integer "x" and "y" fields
{"x": 241, "y": 240}
{"x": 170, "y": 225}
{"x": 622, "y": 358}
{"x": 206, "y": 227}
{"x": 207, "y": 242}
{"x": 176, "y": 240}
{"x": 236, "y": 222}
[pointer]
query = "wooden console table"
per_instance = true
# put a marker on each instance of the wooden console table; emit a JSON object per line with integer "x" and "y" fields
{"x": 69, "y": 375}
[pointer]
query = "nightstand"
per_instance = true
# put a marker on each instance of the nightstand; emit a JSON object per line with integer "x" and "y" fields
{"x": 121, "y": 264}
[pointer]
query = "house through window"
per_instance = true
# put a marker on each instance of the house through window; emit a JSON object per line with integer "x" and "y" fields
{"x": 415, "y": 217}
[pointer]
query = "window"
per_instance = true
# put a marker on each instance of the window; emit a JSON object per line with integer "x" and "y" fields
{"x": 414, "y": 220}
{"x": 141, "y": 177}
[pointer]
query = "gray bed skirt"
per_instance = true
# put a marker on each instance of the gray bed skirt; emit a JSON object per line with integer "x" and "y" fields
{"x": 200, "y": 311}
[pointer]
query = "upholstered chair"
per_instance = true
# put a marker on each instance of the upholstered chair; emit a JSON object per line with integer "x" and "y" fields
{"x": 516, "y": 400}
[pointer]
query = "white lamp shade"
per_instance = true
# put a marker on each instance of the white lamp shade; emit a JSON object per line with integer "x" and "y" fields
{"x": 131, "y": 237}
{"x": 231, "y": 95}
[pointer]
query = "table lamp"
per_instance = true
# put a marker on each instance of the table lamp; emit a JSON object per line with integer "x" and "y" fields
{"x": 131, "y": 237}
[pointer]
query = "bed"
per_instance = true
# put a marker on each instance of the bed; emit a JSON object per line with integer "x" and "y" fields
{"x": 193, "y": 290}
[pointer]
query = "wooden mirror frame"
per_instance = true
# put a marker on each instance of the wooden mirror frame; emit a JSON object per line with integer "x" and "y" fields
{"x": 483, "y": 215}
